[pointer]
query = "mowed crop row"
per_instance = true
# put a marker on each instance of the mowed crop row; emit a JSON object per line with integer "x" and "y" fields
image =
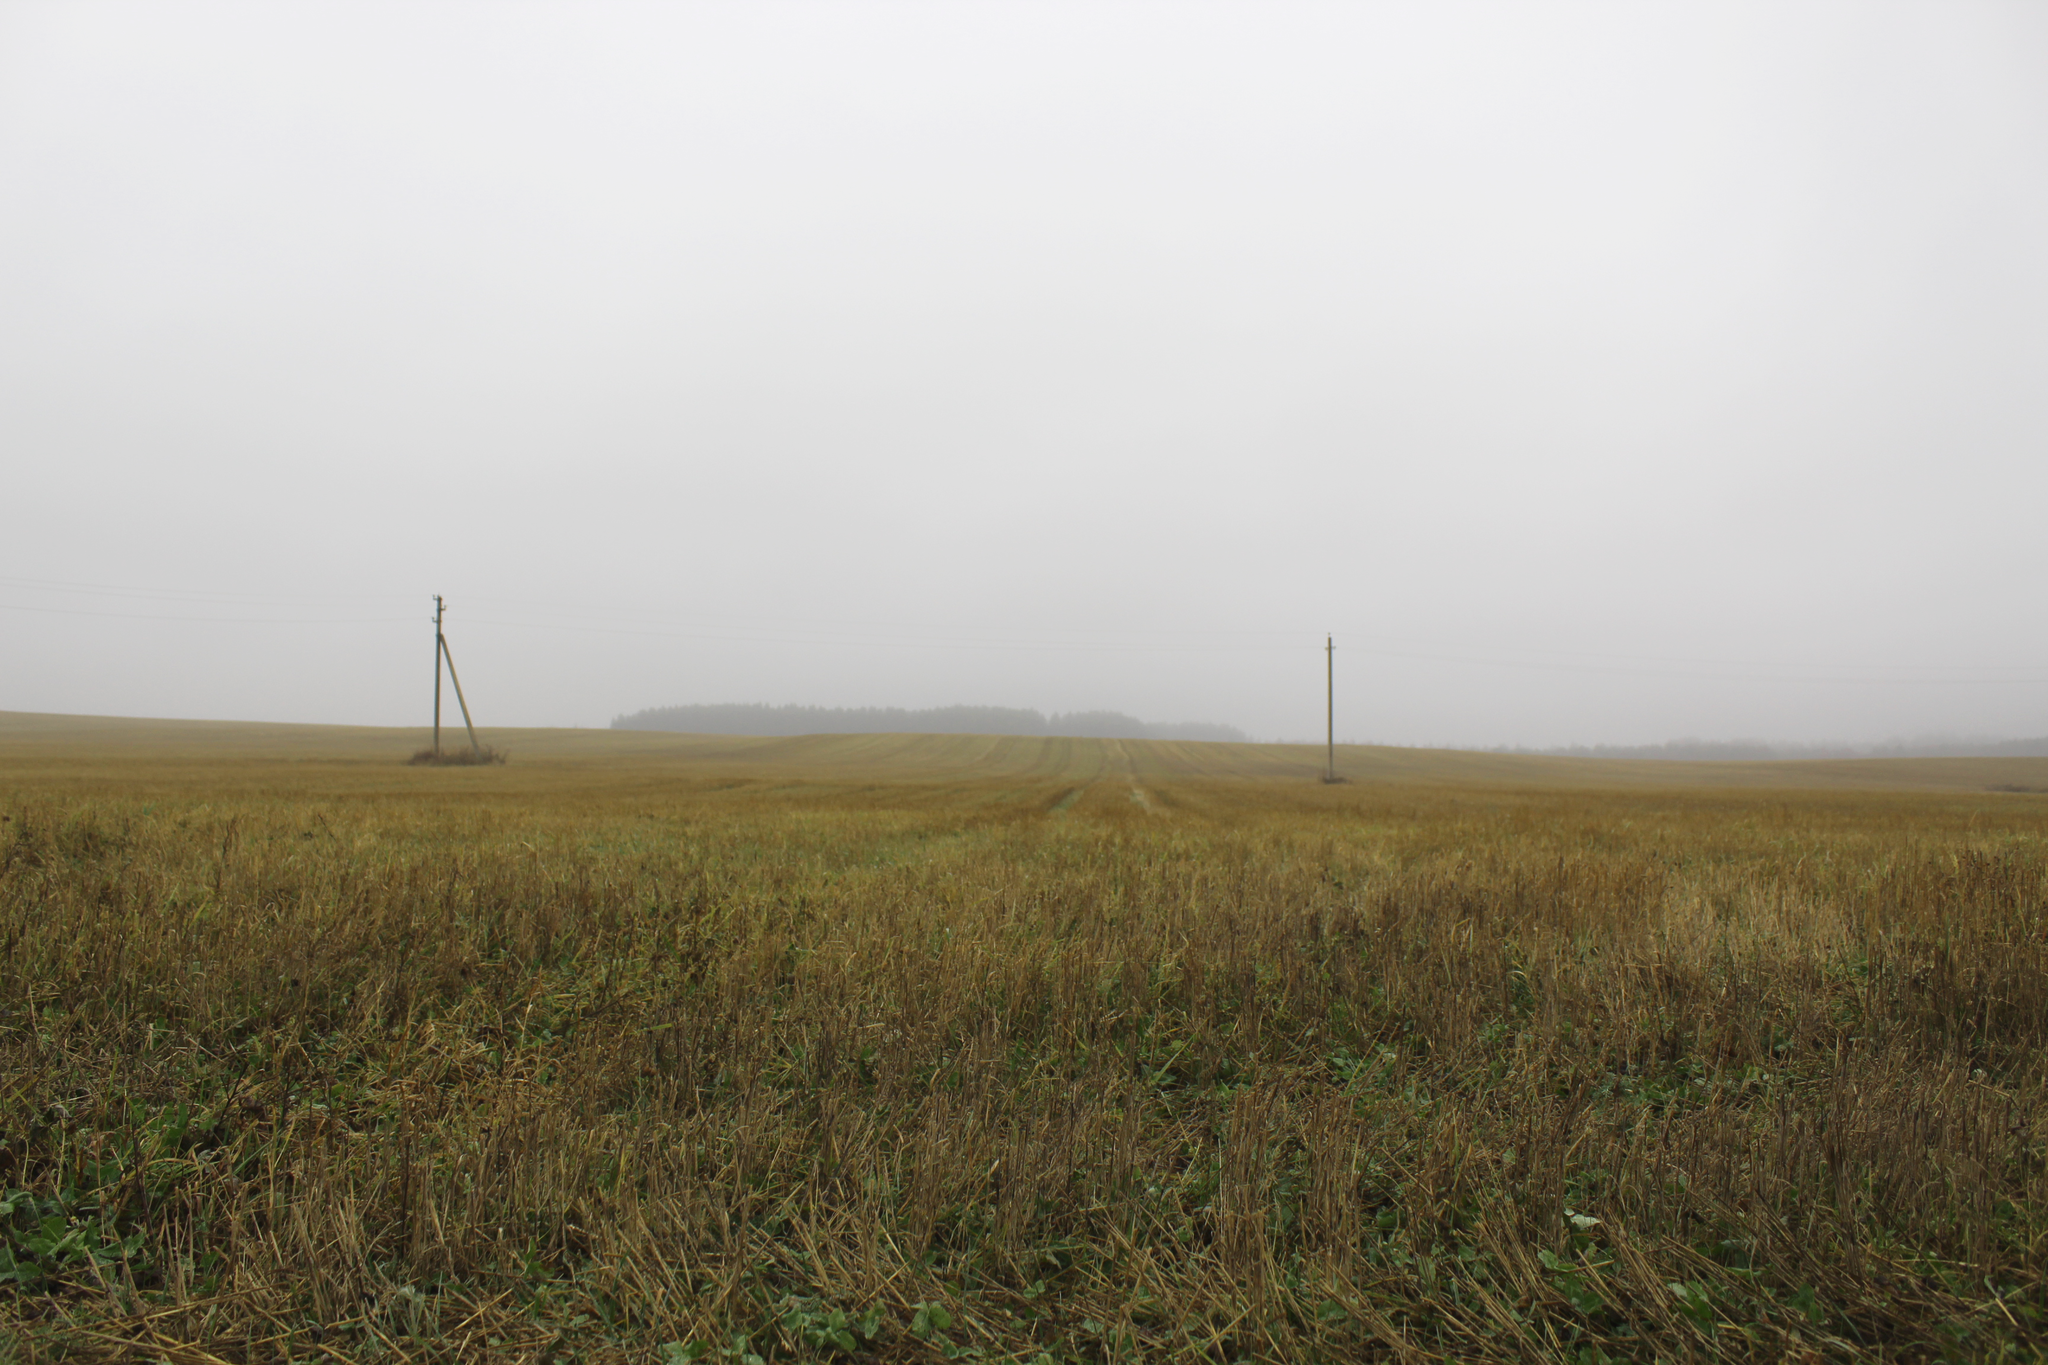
{"x": 497, "y": 1065}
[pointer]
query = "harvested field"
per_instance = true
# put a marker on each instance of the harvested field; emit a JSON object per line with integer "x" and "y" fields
{"x": 651, "y": 1047}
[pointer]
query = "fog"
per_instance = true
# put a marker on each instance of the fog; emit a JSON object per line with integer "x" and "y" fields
{"x": 1594, "y": 373}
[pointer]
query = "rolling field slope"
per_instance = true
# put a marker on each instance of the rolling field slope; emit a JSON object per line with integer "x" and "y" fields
{"x": 109, "y": 749}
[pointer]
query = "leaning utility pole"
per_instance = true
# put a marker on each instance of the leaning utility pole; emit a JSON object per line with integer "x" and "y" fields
{"x": 474, "y": 747}
{"x": 1329, "y": 701}
{"x": 441, "y": 651}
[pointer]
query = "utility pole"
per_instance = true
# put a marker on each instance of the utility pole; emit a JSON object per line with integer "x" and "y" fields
{"x": 1329, "y": 700}
{"x": 439, "y": 646}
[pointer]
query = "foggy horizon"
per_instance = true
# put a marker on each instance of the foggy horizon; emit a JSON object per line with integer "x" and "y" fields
{"x": 1598, "y": 375}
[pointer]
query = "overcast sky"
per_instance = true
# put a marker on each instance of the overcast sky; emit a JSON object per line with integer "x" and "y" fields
{"x": 1595, "y": 372}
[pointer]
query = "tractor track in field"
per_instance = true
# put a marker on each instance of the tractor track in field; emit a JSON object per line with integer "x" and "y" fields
{"x": 1116, "y": 763}
{"x": 1129, "y": 771}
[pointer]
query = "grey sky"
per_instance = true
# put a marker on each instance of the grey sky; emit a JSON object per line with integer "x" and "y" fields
{"x": 1595, "y": 372}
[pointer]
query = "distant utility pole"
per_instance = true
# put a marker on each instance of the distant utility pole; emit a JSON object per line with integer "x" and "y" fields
{"x": 1329, "y": 701}
{"x": 441, "y": 651}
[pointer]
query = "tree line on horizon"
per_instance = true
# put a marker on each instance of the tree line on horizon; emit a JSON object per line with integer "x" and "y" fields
{"x": 762, "y": 720}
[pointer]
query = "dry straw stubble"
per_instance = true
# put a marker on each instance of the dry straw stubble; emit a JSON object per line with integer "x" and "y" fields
{"x": 903, "y": 1070}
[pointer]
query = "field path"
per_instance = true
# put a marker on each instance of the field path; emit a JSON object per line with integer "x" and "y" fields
{"x": 1073, "y": 795}
{"x": 1120, "y": 754}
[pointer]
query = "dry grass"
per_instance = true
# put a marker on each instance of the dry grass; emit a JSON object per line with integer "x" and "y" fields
{"x": 518, "y": 1064}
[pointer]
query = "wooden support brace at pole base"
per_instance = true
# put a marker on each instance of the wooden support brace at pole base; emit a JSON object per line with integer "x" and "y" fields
{"x": 474, "y": 747}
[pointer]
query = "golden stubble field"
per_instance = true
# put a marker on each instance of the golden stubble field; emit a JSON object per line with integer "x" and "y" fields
{"x": 654, "y": 1048}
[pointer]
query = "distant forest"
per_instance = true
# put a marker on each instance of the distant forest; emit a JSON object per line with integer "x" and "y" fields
{"x": 1745, "y": 750}
{"x": 753, "y": 718}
